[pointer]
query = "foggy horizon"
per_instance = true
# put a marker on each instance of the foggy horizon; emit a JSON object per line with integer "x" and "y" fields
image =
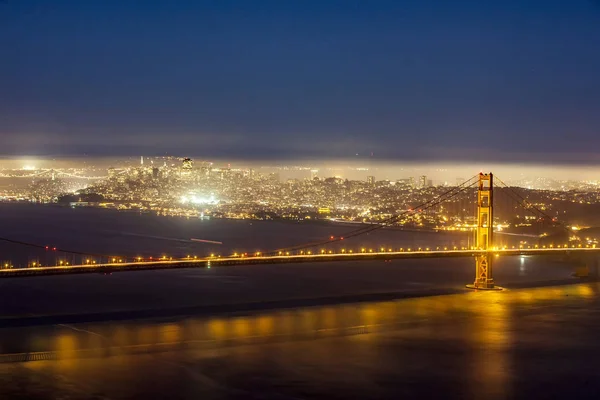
{"x": 346, "y": 168}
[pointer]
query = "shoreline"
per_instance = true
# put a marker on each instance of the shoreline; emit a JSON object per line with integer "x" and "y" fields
{"x": 323, "y": 222}
{"x": 328, "y": 222}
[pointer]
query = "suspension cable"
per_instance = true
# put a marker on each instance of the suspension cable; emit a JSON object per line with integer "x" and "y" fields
{"x": 522, "y": 201}
{"x": 372, "y": 227}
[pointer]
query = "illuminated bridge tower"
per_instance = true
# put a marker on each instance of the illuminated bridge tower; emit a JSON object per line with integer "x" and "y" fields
{"x": 484, "y": 239}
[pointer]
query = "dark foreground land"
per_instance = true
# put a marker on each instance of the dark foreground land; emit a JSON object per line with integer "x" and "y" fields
{"x": 361, "y": 330}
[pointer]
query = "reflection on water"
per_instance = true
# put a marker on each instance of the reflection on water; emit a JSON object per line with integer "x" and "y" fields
{"x": 466, "y": 340}
{"x": 488, "y": 313}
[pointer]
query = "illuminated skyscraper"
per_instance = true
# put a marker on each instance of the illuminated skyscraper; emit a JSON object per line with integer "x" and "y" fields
{"x": 423, "y": 181}
{"x": 187, "y": 164}
{"x": 371, "y": 180}
{"x": 186, "y": 168}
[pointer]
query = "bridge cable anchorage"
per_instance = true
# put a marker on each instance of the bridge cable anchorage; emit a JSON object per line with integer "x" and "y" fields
{"x": 469, "y": 183}
{"x": 522, "y": 201}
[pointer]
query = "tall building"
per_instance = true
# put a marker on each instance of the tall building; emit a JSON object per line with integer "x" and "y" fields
{"x": 187, "y": 167}
{"x": 411, "y": 181}
{"x": 187, "y": 163}
{"x": 371, "y": 180}
{"x": 404, "y": 182}
{"x": 423, "y": 181}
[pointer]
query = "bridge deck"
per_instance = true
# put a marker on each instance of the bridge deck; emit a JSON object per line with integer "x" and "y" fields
{"x": 208, "y": 262}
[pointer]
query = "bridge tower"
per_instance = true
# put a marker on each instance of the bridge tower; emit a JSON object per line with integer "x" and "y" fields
{"x": 484, "y": 234}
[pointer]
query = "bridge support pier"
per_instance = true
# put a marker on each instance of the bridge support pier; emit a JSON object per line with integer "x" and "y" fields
{"x": 485, "y": 220}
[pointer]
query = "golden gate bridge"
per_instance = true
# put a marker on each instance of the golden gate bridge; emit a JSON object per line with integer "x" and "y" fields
{"x": 484, "y": 249}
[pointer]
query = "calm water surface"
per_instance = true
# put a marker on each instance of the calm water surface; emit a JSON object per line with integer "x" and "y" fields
{"x": 406, "y": 328}
{"x": 114, "y": 233}
{"x": 526, "y": 343}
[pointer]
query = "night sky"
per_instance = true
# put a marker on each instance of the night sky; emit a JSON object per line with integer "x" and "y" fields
{"x": 511, "y": 80}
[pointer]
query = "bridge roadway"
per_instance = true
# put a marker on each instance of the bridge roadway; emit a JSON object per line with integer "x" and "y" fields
{"x": 209, "y": 262}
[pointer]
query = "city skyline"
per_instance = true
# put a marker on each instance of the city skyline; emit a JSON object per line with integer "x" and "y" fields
{"x": 440, "y": 172}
